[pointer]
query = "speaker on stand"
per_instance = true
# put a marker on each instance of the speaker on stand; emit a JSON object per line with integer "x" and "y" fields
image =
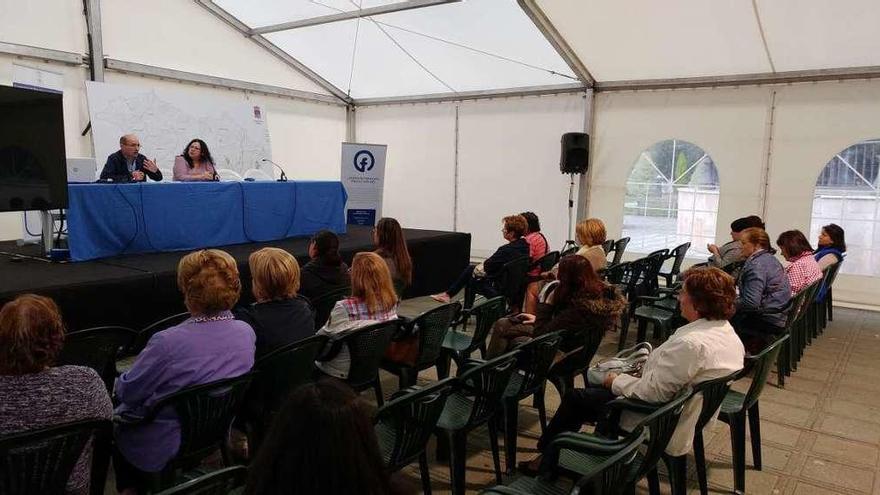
{"x": 574, "y": 160}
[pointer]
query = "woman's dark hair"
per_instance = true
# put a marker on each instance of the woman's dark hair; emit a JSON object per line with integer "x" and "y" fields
{"x": 532, "y": 220}
{"x": 793, "y": 243}
{"x": 391, "y": 244}
{"x": 327, "y": 247}
{"x": 711, "y": 291}
{"x": 576, "y": 277}
{"x": 322, "y": 441}
{"x": 744, "y": 223}
{"x": 835, "y": 232}
{"x": 206, "y": 154}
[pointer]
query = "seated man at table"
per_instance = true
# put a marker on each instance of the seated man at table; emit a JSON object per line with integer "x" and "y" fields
{"x": 127, "y": 165}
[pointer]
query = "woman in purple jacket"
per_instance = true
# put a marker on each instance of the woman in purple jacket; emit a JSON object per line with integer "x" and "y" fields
{"x": 211, "y": 345}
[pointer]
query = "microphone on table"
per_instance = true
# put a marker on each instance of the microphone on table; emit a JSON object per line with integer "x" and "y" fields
{"x": 283, "y": 175}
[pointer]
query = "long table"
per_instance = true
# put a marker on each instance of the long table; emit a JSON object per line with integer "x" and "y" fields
{"x": 112, "y": 219}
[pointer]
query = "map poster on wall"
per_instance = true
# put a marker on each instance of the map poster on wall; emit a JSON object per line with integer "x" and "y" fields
{"x": 363, "y": 175}
{"x": 166, "y": 120}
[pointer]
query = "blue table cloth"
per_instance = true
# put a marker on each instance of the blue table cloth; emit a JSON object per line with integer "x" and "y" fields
{"x": 111, "y": 219}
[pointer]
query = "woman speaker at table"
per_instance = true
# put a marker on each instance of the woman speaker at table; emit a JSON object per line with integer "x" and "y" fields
{"x": 195, "y": 163}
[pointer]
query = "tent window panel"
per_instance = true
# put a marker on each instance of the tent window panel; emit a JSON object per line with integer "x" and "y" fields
{"x": 848, "y": 194}
{"x": 671, "y": 198}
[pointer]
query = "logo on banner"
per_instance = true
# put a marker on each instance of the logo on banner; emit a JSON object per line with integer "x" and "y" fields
{"x": 364, "y": 161}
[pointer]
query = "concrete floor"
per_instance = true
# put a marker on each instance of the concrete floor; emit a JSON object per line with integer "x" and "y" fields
{"x": 821, "y": 433}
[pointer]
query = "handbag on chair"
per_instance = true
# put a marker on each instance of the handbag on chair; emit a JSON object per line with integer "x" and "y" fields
{"x": 628, "y": 361}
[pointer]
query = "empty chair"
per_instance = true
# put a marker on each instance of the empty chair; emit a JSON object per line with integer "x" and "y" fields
{"x": 405, "y": 423}
{"x": 677, "y": 256}
{"x": 619, "y": 249}
{"x": 474, "y": 403}
{"x": 41, "y": 461}
{"x": 459, "y": 346}
{"x": 220, "y": 482}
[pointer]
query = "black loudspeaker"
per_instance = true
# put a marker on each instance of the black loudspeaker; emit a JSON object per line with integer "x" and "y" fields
{"x": 575, "y": 157}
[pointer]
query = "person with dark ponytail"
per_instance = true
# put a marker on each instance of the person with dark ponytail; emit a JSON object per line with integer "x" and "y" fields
{"x": 326, "y": 271}
{"x": 391, "y": 246}
{"x": 831, "y": 244}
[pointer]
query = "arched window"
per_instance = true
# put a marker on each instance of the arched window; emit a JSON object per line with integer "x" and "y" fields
{"x": 848, "y": 194}
{"x": 671, "y": 198}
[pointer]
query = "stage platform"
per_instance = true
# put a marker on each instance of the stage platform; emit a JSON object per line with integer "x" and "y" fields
{"x": 135, "y": 290}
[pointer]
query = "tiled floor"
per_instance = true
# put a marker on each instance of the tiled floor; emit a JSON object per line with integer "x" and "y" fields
{"x": 821, "y": 434}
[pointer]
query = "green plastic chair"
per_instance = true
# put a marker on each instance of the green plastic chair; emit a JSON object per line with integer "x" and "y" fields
{"x": 41, "y": 461}
{"x": 619, "y": 249}
{"x": 475, "y": 402}
{"x": 660, "y": 422}
{"x": 220, "y": 482}
{"x": 140, "y": 342}
{"x": 280, "y": 373}
{"x": 786, "y": 359}
{"x": 737, "y": 407}
{"x": 661, "y": 311}
{"x": 608, "y": 246}
{"x": 459, "y": 346}
{"x": 574, "y": 362}
{"x": 205, "y": 414}
{"x": 713, "y": 393}
{"x": 366, "y": 347}
{"x": 404, "y": 426}
{"x": 533, "y": 362}
{"x": 430, "y": 327}
{"x": 613, "y": 460}
{"x": 824, "y": 297}
{"x": 96, "y": 348}
{"x": 677, "y": 256}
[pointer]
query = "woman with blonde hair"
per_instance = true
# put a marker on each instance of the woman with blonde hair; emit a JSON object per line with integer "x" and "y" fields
{"x": 211, "y": 345}
{"x": 280, "y": 316}
{"x": 372, "y": 300}
{"x": 591, "y": 235}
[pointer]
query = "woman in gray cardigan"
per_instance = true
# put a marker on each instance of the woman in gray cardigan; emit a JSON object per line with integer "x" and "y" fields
{"x": 764, "y": 293}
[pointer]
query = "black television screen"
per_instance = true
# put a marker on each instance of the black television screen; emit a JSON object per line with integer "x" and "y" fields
{"x": 33, "y": 169}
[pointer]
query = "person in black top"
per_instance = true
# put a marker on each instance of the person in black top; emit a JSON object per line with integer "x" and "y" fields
{"x": 127, "y": 165}
{"x": 280, "y": 316}
{"x": 481, "y": 277}
{"x": 326, "y": 271}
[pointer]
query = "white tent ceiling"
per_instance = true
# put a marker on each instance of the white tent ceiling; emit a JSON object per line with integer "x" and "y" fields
{"x": 468, "y": 46}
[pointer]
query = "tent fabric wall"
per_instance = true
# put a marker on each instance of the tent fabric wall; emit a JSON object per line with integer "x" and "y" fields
{"x": 53, "y": 24}
{"x": 730, "y": 125}
{"x": 420, "y": 163}
{"x": 508, "y": 155}
{"x": 811, "y": 124}
{"x": 183, "y": 36}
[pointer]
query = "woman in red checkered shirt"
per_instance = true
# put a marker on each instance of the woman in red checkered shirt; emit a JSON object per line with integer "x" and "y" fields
{"x": 802, "y": 269}
{"x": 372, "y": 300}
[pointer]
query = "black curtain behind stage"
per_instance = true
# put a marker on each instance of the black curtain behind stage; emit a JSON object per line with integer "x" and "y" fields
{"x": 136, "y": 290}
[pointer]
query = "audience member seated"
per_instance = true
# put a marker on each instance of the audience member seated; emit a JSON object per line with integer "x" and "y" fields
{"x": 704, "y": 349}
{"x": 391, "y": 246}
{"x": 325, "y": 271}
{"x": 372, "y": 300}
{"x": 831, "y": 246}
{"x": 33, "y": 395}
{"x": 591, "y": 235}
{"x": 764, "y": 292}
{"x": 538, "y": 245}
{"x": 580, "y": 301}
{"x": 481, "y": 277}
{"x": 209, "y": 346}
{"x": 322, "y": 442}
{"x": 195, "y": 164}
{"x": 731, "y": 251}
{"x": 802, "y": 269}
{"x": 280, "y": 316}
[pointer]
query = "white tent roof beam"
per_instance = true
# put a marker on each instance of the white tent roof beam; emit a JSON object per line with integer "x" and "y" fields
{"x": 272, "y": 48}
{"x": 354, "y": 14}
{"x": 220, "y": 82}
{"x": 542, "y": 22}
{"x": 473, "y": 95}
{"x": 36, "y": 53}
{"x": 798, "y": 76}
